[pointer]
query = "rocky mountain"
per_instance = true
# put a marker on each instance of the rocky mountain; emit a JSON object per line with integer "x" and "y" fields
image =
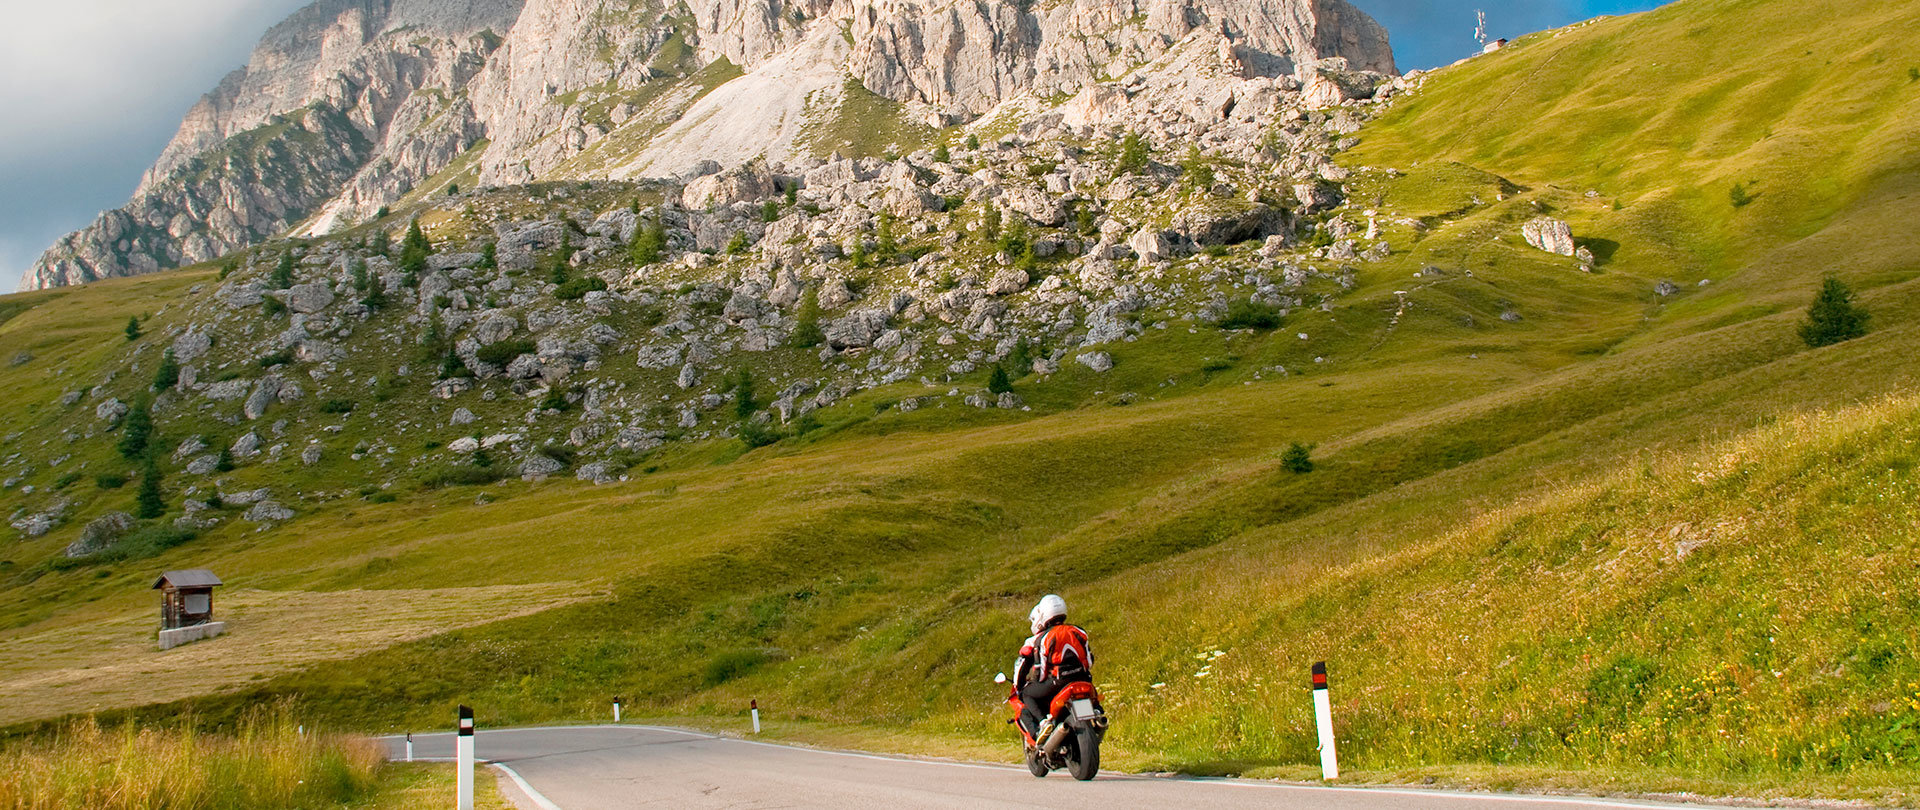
{"x": 352, "y": 106}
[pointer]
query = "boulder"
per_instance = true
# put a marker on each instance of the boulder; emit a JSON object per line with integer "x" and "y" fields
{"x": 309, "y": 298}
{"x": 99, "y": 534}
{"x": 742, "y": 184}
{"x": 268, "y": 511}
{"x": 111, "y": 410}
{"x": 191, "y": 345}
{"x": 1150, "y": 244}
{"x": 1098, "y": 361}
{"x": 265, "y": 393}
{"x": 311, "y": 455}
{"x": 464, "y": 445}
{"x": 1549, "y": 234}
{"x": 538, "y": 466}
{"x": 1007, "y": 282}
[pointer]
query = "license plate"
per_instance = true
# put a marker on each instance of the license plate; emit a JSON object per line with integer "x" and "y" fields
{"x": 1084, "y": 710}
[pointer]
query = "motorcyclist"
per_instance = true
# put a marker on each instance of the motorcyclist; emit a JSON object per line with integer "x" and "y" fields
{"x": 1057, "y": 654}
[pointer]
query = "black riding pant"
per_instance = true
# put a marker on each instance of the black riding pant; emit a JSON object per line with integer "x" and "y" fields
{"x": 1038, "y": 695}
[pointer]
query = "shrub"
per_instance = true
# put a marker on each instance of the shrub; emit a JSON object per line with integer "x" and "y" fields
{"x": 732, "y": 664}
{"x": 578, "y": 288}
{"x": 489, "y": 256}
{"x": 886, "y": 247}
{"x": 743, "y": 404}
{"x": 382, "y": 213}
{"x": 503, "y": 352}
{"x": 462, "y": 475}
{"x": 336, "y": 406}
{"x": 66, "y": 480}
{"x": 738, "y": 244}
{"x": 1298, "y": 459}
{"x": 1833, "y": 318}
{"x": 559, "y": 452}
{"x": 973, "y": 141}
{"x": 452, "y": 366}
{"x": 769, "y": 211}
{"x": 272, "y": 307}
{"x": 997, "y": 382}
{"x": 110, "y": 480}
{"x": 555, "y": 400}
{"x": 133, "y": 329}
{"x": 229, "y": 268}
{"x": 940, "y": 153}
{"x": 382, "y": 496}
{"x": 376, "y": 299}
{"x": 1247, "y": 313}
{"x": 224, "y": 463}
{"x": 453, "y": 189}
{"x": 758, "y": 434}
{"x": 279, "y": 358}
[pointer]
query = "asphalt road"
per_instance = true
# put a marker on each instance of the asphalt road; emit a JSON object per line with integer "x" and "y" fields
{"x": 608, "y": 767}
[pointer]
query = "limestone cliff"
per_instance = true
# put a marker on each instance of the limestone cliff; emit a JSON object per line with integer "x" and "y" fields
{"x": 403, "y": 97}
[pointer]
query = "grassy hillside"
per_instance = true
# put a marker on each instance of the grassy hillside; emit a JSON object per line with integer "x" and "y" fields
{"x": 1635, "y": 537}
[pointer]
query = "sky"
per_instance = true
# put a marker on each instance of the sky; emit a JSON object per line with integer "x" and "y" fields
{"x": 92, "y": 90}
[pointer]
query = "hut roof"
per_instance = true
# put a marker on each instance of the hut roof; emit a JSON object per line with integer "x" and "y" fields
{"x": 189, "y": 578}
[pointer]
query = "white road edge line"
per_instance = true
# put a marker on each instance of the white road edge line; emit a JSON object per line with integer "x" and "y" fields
{"x": 1227, "y": 782}
{"x": 538, "y": 798}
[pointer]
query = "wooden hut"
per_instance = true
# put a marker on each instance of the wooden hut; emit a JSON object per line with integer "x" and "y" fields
{"x": 186, "y": 606}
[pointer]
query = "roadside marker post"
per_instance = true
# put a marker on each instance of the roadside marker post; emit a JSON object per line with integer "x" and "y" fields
{"x": 616, "y": 708}
{"x": 409, "y": 746}
{"x": 463, "y": 765}
{"x": 1323, "y": 717}
{"x": 753, "y": 706}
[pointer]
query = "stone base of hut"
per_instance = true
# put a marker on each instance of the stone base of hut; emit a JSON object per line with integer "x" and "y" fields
{"x": 170, "y": 639}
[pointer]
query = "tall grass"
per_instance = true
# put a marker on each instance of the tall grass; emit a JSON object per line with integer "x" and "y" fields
{"x": 265, "y": 762}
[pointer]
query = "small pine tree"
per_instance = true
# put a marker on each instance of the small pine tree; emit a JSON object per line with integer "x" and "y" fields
{"x": 136, "y": 433}
{"x": 490, "y": 256}
{"x": 168, "y": 373}
{"x": 232, "y": 266}
{"x": 451, "y": 366}
{"x": 380, "y": 243}
{"x": 1833, "y": 318}
{"x": 1298, "y": 459}
{"x": 282, "y": 276}
{"x": 859, "y": 254}
{"x": 769, "y": 211}
{"x": 150, "y": 502}
{"x": 738, "y": 244}
{"x": 806, "y": 326}
{"x": 940, "y": 153}
{"x": 453, "y": 189}
{"x": 998, "y": 382}
{"x": 743, "y": 404}
{"x": 990, "y": 223}
{"x": 225, "y": 462}
{"x": 648, "y": 243}
{"x": 1740, "y": 196}
{"x": 1199, "y": 171}
{"x": 360, "y": 277}
{"x": 133, "y": 329}
{"x": 793, "y": 194}
{"x": 1133, "y": 154}
{"x": 885, "y": 246}
{"x": 376, "y": 296}
{"x": 382, "y": 213}
{"x": 1021, "y": 358}
{"x": 414, "y": 250}
{"x": 973, "y": 141}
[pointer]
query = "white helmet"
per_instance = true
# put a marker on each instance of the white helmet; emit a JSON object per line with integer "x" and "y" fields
{"x": 1051, "y": 607}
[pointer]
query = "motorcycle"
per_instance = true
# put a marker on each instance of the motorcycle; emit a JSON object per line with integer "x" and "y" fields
{"x": 1069, "y": 737}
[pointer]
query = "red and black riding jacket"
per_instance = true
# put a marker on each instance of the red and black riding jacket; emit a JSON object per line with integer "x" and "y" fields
{"x": 1064, "y": 651}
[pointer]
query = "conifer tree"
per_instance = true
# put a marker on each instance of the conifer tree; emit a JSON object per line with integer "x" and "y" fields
{"x": 490, "y": 256}
{"x": 167, "y": 375}
{"x": 133, "y": 329}
{"x": 136, "y": 432}
{"x": 998, "y": 382}
{"x": 806, "y": 326}
{"x": 282, "y": 276}
{"x": 743, "y": 404}
{"x": 1133, "y": 154}
{"x": 150, "y": 502}
{"x": 940, "y": 153}
{"x": 1833, "y": 318}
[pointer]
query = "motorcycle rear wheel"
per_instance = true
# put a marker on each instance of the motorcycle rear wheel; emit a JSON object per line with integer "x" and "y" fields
{"x": 1083, "y": 759}
{"x": 1036, "y": 765}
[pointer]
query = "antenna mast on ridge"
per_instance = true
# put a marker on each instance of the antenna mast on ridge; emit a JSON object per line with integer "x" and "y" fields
{"x": 1480, "y": 30}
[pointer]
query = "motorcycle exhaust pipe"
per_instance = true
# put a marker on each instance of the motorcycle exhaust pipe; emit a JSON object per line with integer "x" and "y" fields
{"x": 1055, "y": 739}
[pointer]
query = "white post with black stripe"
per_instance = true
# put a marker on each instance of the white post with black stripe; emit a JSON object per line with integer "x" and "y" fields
{"x": 409, "y": 746}
{"x": 616, "y": 708}
{"x": 463, "y": 760}
{"x": 753, "y": 707}
{"x": 1323, "y": 717}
